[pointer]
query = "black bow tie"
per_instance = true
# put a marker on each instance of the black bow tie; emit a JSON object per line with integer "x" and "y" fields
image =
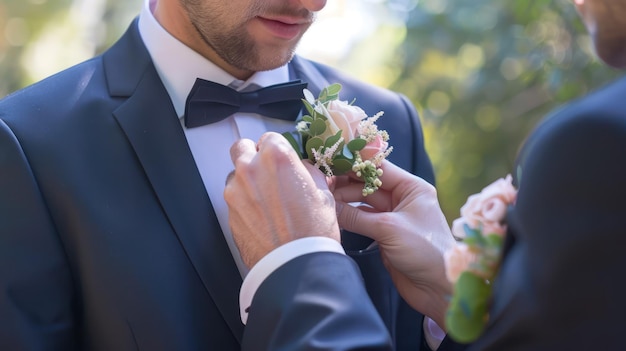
{"x": 209, "y": 102}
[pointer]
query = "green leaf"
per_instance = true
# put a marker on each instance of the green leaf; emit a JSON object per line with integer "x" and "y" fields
{"x": 330, "y": 93}
{"x": 494, "y": 240}
{"x": 467, "y": 313}
{"x": 330, "y": 141}
{"x": 314, "y": 143}
{"x": 305, "y": 139}
{"x": 320, "y": 116}
{"x": 357, "y": 144}
{"x": 307, "y": 118}
{"x": 341, "y": 165}
{"x": 323, "y": 95}
{"x": 333, "y": 91}
{"x": 308, "y": 107}
{"x": 294, "y": 143}
{"x": 317, "y": 127}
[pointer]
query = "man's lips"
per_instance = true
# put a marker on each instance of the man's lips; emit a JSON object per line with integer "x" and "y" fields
{"x": 284, "y": 28}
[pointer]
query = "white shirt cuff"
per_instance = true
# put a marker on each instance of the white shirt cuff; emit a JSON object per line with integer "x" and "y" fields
{"x": 433, "y": 333}
{"x": 276, "y": 258}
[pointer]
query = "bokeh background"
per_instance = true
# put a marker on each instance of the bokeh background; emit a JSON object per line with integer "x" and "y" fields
{"x": 481, "y": 72}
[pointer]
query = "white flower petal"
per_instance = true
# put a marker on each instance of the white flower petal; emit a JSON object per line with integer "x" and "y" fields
{"x": 308, "y": 96}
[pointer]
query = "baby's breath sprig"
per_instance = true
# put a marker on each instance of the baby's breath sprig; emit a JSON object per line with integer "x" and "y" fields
{"x": 370, "y": 173}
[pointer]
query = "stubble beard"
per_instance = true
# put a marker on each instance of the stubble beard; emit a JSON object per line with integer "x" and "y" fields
{"x": 240, "y": 50}
{"x": 235, "y": 46}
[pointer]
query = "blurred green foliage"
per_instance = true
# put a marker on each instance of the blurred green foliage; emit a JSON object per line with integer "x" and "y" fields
{"x": 482, "y": 72}
{"x": 40, "y": 37}
{"x": 20, "y": 21}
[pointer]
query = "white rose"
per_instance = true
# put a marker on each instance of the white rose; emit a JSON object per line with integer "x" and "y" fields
{"x": 345, "y": 117}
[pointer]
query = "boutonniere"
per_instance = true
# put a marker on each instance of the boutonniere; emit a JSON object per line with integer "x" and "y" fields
{"x": 474, "y": 262}
{"x": 339, "y": 137}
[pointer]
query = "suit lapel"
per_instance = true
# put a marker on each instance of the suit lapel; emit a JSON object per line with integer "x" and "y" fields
{"x": 149, "y": 121}
{"x": 300, "y": 68}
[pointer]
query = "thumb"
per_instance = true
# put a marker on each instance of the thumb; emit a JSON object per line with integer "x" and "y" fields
{"x": 358, "y": 220}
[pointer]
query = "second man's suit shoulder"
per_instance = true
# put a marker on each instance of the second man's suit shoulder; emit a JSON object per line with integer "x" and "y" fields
{"x": 598, "y": 111}
{"x": 604, "y": 102}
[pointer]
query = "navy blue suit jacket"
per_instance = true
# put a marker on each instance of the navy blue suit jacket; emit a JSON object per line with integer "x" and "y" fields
{"x": 108, "y": 240}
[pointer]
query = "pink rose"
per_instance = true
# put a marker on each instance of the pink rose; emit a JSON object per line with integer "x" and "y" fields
{"x": 458, "y": 260}
{"x": 345, "y": 117}
{"x": 374, "y": 147}
{"x": 487, "y": 208}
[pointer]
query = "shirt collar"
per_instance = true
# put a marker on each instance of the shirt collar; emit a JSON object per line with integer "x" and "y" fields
{"x": 178, "y": 65}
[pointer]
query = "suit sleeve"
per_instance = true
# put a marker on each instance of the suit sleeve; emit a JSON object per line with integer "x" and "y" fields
{"x": 315, "y": 302}
{"x": 35, "y": 284}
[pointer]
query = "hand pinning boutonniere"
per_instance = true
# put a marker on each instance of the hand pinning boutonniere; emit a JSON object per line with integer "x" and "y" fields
{"x": 339, "y": 137}
{"x": 473, "y": 263}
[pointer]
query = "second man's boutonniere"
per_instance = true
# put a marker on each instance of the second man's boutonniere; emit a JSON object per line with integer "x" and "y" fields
{"x": 473, "y": 263}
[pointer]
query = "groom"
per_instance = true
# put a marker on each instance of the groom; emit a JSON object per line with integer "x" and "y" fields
{"x": 113, "y": 228}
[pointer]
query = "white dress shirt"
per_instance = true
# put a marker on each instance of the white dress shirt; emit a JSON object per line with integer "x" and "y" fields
{"x": 178, "y": 67}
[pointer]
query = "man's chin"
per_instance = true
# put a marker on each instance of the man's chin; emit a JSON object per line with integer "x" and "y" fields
{"x": 270, "y": 62}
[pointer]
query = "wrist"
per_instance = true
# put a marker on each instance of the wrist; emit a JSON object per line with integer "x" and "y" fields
{"x": 437, "y": 299}
{"x": 439, "y": 307}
